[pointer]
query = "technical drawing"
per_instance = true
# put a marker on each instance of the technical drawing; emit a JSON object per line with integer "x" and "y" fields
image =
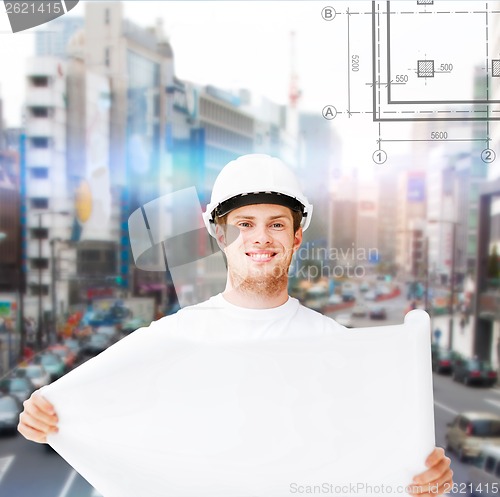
{"x": 447, "y": 63}
{"x": 429, "y": 61}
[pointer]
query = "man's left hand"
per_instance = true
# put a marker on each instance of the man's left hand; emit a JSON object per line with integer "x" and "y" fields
{"x": 436, "y": 480}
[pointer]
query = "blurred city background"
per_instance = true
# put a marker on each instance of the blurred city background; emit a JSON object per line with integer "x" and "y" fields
{"x": 110, "y": 133}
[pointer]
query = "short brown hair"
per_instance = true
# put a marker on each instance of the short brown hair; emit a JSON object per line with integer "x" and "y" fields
{"x": 296, "y": 216}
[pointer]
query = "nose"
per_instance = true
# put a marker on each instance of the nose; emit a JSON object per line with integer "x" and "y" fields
{"x": 261, "y": 235}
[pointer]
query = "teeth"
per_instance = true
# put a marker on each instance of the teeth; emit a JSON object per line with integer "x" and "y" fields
{"x": 260, "y": 257}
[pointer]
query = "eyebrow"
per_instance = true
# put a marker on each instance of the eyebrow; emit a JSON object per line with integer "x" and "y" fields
{"x": 280, "y": 216}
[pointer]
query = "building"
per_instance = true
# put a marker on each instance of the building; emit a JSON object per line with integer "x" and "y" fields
{"x": 454, "y": 173}
{"x": 387, "y": 215}
{"x": 486, "y": 305}
{"x": 319, "y": 169}
{"x": 138, "y": 63}
{"x": 95, "y": 231}
{"x": 10, "y": 212}
{"x": 411, "y": 210}
{"x": 49, "y": 209}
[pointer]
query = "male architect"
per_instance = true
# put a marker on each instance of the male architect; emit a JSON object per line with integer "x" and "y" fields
{"x": 257, "y": 214}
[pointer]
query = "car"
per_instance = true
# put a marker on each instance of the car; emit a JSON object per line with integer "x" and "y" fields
{"x": 378, "y": 312}
{"x": 364, "y": 287}
{"x": 74, "y": 345}
{"x": 316, "y": 298}
{"x": 348, "y": 298}
{"x": 469, "y": 431}
{"x": 348, "y": 291}
{"x": 36, "y": 373}
{"x": 335, "y": 299}
{"x": 82, "y": 332}
{"x": 52, "y": 363}
{"x": 442, "y": 360}
{"x": 96, "y": 344}
{"x": 383, "y": 290}
{"x": 66, "y": 354}
{"x": 344, "y": 320}
{"x": 370, "y": 295}
{"x": 110, "y": 331}
{"x": 484, "y": 474}
{"x": 296, "y": 291}
{"x": 10, "y": 409}
{"x": 133, "y": 324}
{"x": 359, "y": 311}
{"x": 21, "y": 388}
{"x": 473, "y": 371}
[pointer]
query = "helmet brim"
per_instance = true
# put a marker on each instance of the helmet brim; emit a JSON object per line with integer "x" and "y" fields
{"x": 257, "y": 198}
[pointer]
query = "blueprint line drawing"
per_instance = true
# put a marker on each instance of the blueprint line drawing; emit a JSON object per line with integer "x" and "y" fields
{"x": 400, "y": 96}
{"x": 430, "y": 61}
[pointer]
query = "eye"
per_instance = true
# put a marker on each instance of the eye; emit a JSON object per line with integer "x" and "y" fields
{"x": 277, "y": 225}
{"x": 243, "y": 224}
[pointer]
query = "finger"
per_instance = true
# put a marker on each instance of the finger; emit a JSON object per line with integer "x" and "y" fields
{"x": 432, "y": 491}
{"x": 31, "y": 434}
{"x": 39, "y": 413}
{"x": 433, "y": 473}
{"x": 27, "y": 419}
{"x": 439, "y": 486}
{"x": 434, "y": 457}
{"x": 42, "y": 403}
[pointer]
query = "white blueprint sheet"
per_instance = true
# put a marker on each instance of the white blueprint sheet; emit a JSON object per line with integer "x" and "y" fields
{"x": 262, "y": 419}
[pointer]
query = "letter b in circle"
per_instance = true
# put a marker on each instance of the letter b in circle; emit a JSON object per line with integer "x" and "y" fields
{"x": 328, "y": 13}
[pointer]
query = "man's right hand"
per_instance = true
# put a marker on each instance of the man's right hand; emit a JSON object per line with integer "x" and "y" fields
{"x": 38, "y": 418}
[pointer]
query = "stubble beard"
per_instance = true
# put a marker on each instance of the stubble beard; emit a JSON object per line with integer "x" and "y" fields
{"x": 268, "y": 284}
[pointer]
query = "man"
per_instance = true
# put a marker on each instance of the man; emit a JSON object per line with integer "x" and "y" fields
{"x": 257, "y": 214}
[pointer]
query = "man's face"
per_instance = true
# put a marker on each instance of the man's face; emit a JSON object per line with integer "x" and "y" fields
{"x": 259, "y": 244}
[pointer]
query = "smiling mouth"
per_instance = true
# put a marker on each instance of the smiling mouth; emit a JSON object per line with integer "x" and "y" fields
{"x": 261, "y": 256}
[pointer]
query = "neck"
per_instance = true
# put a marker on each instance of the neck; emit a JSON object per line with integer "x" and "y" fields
{"x": 254, "y": 299}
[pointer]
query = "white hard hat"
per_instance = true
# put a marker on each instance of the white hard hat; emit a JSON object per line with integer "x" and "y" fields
{"x": 255, "y": 179}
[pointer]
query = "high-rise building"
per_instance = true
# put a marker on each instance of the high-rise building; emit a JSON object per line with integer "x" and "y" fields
{"x": 411, "y": 210}
{"x": 367, "y": 226}
{"x": 138, "y": 63}
{"x": 387, "y": 215}
{"x": 10, "y": 212}
{"x": 344, "y": 211}
{"x": 319, "y": 169}
{"x": 454, "y": 172}
{"x": 487, "y": 301}
{"x": 47, "y": 199}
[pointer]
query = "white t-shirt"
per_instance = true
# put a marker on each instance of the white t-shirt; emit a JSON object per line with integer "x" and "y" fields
{"x": 216, "y": 319}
